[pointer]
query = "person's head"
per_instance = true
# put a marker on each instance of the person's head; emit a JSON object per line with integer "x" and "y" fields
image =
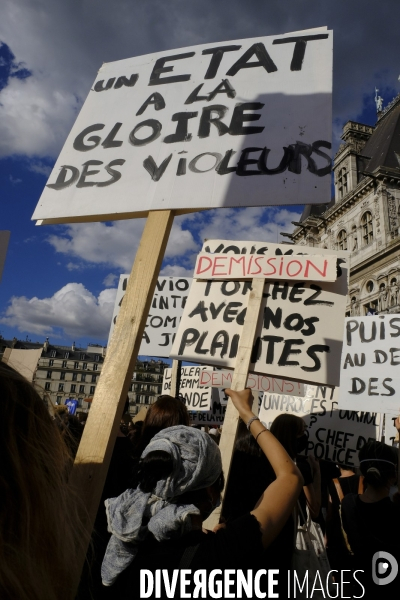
{"x": 183, "y": 464}
{"x": 179, "y": 483}
{"x": 378, "y": 464}
{"x": 38, "y": 519}
{"x": 290, "y": 431}
{"x": 166, "y": 411}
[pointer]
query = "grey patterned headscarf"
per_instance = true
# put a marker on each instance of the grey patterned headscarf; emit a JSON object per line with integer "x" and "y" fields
{"x": 196, "y": 465}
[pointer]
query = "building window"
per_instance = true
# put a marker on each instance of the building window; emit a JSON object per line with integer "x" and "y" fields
{"x": 81, "y": 389}
{"x": 367, "y": 228}
{"x": 76, "y": 365}
{"x": 92, "y": 388}
{"x": 83, "y": 377}
{"x": 82, "y": 357}
{"x": 74, "y": 376}
{"x": 95, "y": 367}
{"x": 342, "y": 182}
{"x": 60, "y": 387}
{"x": 73, "y": 388}
{"x": 64, "y": 364}
{"x": 97, "y": 357}
{"x": 66, "y": 354}
{"x": 51, "y": 363}
{"x": 53, "y": 353}
{"x": 80, "y": 400}
{"x": 342, "y": 239}
{"x": 59, "y": 398}
{"x": 62, "y": 375}
{"x": 94, "y": 378}
{"x": 84, "y": 366}
{"x": 49, "y": 374}
{"x": 47, "y": 385}
{"x": 370, "y": 286}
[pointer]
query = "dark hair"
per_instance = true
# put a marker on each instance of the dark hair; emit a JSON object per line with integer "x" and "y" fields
{"x": 245, "y": 442}
{"x": 286, "y": 429}
{"x": 158, "y": 465}
{"x": 167, "y": 411}
{"x": 152, "y": 468}
{"x": 376, "y": 473}
{"x": 40, "y": 527}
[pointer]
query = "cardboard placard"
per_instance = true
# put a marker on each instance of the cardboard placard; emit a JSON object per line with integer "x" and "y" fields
{"x": 370, "y": 365}
{"x": 299, "y": 328}
{"x": 258, "y": 395}
{"x": 391, "y": 435}
{"x": 165, "y": 313}
{"x": 267, "y": 266}
{"x": 223, "y": 379}
{"x": 187, "y": 128}
{"x": 216, "y": 414}
{"x": 334, "y": 434}
{"x": 196, "y": 398}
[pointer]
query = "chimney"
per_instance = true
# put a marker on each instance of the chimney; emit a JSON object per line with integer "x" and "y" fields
{"x": 73, "y": 347}
{"x": 46, "y": 345}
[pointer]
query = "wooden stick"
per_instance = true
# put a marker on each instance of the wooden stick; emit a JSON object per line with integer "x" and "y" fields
{"x": 175, "y": 377}
{"x": 95, "y": 450}
{"x": 239, "y": 380}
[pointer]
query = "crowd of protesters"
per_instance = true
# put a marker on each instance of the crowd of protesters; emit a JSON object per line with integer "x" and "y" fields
{"x": 164, "y": 480}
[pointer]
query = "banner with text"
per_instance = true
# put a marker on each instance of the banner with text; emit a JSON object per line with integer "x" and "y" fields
{"x": 370, "y": 369}
{"x": 223, "y": 379}
{"x": 334, "y": 434}
{"x": 196, "y": 398}
{"x": 299, "y": 331}
{"x": 165, "y": 313}
{"x": 291, "y": 268}
{"x": 189, "y": 128}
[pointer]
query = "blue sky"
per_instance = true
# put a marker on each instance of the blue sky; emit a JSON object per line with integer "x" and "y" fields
{"x": 59, "y": 281}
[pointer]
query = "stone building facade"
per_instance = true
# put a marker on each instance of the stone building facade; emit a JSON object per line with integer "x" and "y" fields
{"x": 65, "y": 372}
{"x": 364, "y": 215}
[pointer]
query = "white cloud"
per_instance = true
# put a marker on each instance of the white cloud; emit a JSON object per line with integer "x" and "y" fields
{"x": 110, "y": 280}
{"x": 176, "y": 271}
{"x": 73, "y": 266}
{"x": 14, "y": 180}
{"x": 252, "y": 224}
{"x": 34, "y": 118}
{"x": 73, "y": 309}
{"x": 37, "y": 166}
{"x": 116, "y": 244}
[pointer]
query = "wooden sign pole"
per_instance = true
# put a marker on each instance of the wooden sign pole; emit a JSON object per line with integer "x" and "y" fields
{"x": 239, "y": 380}
{"x": 95, "y": 450}
{"x": 175, "y": 377}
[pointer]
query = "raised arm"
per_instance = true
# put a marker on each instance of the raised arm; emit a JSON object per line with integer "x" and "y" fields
{"x": 278, "y": 500}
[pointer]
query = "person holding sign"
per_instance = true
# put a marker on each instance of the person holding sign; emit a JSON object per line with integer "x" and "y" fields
{"x": 372, "y": 521}
{"x": 157, "y": 528}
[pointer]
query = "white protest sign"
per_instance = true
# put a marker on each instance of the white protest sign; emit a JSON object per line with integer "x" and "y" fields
{"x": 189, "y": 128}
{"x": 333, "y": 434}
{"x": 216, "y": 415}
{"x": 196, "y": 398}
{"x": 291, "y": 268}
{"x": 165, "y": 313}
{"x": 257, "y": 395}
{"x": 223, "y": 379}
{"x": 4, "y": 239}
{"x": 370, "y": 365}
{"x": 299, "y": 329}
{"x": 390, "y": 435}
